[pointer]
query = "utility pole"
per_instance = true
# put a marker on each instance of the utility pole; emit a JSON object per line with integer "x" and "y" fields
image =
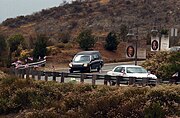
{"x": 131, "y": 35}
{"x": 136, "y": 46}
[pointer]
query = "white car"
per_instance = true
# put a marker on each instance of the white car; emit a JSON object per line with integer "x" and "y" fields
{"x": 131, "y": 71}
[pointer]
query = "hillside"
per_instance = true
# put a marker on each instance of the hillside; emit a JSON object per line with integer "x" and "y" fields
{"x": 101, "y": 16}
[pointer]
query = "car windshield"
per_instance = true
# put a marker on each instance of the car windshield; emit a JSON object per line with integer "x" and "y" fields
{"x": 136, "y": 70}
{"x": 81, "y": 58}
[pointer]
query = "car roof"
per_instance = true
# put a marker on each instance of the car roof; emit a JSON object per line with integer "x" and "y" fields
{"x": 87, "y": 52}
{"x": 128, "y": 66}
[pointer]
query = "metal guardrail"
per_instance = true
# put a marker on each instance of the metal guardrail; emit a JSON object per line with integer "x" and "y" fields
{"x": 27, "y": 72}
{"x": 29, "y": 65}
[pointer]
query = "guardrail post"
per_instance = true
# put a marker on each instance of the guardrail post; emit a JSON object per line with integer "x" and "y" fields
{"x": 159, "y": 81}
{"x": 16, "y": 72}
{"x": 145, "y": 81}
{"x": 62, "y": 77}
{"x": 46, "y": 76}
{"x": 23, "y": 72}
{"x": 132, "y": 80}
{"x": 39, "y": 75}
{"x": 118, "y": 79}
{"x": 33, "y": 73}
{"x": 106, "y": 79}
{"x": 94, "y": 79}
{"x": 19, "y": 71}
{"x": 27, "y": 73}
{"x": 54, "y": 75}
{"x": 83, "y": 76}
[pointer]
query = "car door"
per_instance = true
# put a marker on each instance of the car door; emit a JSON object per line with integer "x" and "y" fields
{"x": 95, "y": 61}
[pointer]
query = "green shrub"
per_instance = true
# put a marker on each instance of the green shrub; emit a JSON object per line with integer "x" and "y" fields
{"x": 86, "y": 40}
{"x": 111, "y": 42}
{"x": 31, "y": 99}
{"x": 154, "y": 110}
{"x": 44, "y": 113}
{"x": 163, "y": 64}
{"x": 40, "y": 49}
{"x": 8, "y": 81}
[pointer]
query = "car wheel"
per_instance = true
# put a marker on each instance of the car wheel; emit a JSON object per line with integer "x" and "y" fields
{"x": 71, "y": 71}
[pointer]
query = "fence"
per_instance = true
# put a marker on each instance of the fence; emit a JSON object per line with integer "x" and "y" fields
{"x": 30, "y": 65}
{"x": 93, "y": 78}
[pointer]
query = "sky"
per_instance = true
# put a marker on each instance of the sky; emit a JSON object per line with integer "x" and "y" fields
{"x": 14, "y": 8}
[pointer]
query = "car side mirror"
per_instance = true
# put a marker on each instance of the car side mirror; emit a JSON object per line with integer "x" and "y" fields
{"x": 149, "y": 72}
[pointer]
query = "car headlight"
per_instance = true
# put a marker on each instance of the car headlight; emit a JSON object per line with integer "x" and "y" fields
{"x": 70, "y": 65}
{"x": 85, "y": 65}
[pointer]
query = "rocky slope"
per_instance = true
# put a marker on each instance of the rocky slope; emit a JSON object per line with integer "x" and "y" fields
{"x": 102, "y": 16}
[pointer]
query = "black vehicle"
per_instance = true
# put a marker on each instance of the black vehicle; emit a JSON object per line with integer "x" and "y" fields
{"x": 86, "y": 61}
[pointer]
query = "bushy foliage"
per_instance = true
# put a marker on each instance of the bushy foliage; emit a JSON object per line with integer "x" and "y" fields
{"x": 2, "y": 44}
{"x": 3, "y": 50}
{"x": 31, "y": 99}
{"x": 40, "y": 49}
{"x": 86, "y": 40}
{"x": 111, "y": 42}
{"x": 164, "y": 32}
{"x": 163, "y": 64}
{"x": 14, "y": 42}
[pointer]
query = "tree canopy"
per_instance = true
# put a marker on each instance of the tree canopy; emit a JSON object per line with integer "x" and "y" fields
{"x": 164, "y": 64}
{"x": 86, "y": 40}
{"x": 40, "y": 49}
{"x": 111, "y": 41}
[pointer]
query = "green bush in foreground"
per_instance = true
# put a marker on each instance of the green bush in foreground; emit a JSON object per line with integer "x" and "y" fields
{"x": 39, "y": 99}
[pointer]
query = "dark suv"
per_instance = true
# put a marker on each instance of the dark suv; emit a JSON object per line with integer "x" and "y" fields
{"x": 86, "y": 61}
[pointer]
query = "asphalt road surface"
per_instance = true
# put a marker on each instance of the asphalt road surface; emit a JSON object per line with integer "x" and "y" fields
{"x": 107, "y": 67}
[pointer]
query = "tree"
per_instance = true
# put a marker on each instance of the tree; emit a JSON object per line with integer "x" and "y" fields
{"x": 14, "y": 42}
{"x": 111, "y": 42}
{"x": 2, "y": 44}
{"x": 163, "y": 64}
{"x": 40, "y": 49}
{"x": 86, "y": 40}
{"x": 3, "y": 50}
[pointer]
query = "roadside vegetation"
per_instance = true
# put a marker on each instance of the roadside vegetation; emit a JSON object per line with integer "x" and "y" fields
{"x": 163, "y": 64}
{"x": 25, "y": 98}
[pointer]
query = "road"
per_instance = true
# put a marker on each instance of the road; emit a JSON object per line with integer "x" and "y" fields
{"x": 106, "y": 67}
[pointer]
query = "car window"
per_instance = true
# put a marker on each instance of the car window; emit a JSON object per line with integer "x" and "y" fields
{"x": 95, "y": 56}
{"x": 136, "y": 70}
{"x": 119, "y": 69}
{"x": 82, "y": 58}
